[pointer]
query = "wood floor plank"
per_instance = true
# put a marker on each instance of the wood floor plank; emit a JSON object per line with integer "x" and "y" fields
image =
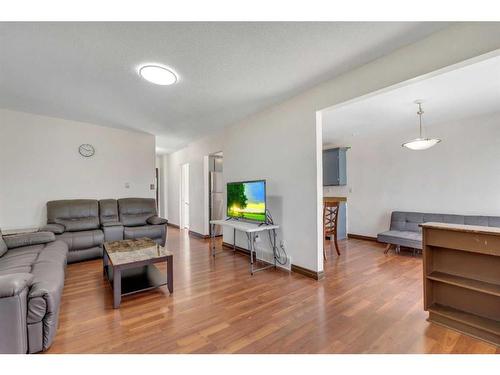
{"x": 368, "y": 302}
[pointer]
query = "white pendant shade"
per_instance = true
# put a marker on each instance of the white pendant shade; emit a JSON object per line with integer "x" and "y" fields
{"x": 421, "y": 143}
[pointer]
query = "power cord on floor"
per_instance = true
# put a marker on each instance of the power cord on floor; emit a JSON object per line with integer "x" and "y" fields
{"x": 278, "y": 252}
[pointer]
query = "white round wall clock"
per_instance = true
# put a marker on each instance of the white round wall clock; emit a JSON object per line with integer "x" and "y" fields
{"x": 86, "y": 150}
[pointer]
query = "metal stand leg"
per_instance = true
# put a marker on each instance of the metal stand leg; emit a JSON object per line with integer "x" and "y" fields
{"x": 250, "y": 248}
{"x": 212, "y": 240}
{"x": 274, "y": 247}
{"x": 234, "y": 240}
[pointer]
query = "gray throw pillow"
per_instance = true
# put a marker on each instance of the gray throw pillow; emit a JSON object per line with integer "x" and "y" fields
{"x": 156, "y": 220}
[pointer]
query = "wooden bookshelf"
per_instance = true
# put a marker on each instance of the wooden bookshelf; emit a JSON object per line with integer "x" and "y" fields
{"x": 462, "y": 278}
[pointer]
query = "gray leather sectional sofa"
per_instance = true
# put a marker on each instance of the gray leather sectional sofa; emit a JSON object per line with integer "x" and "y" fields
{"x": 32, "y": 268}
{"x": 84, "y": 224}
{"x": 405, "y": 227}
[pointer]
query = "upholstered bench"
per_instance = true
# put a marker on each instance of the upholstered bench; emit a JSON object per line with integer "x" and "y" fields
{"x": 405, "y": 227}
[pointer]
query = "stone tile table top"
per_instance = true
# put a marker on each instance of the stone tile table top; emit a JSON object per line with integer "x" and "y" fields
{"x": 134, "y": 250}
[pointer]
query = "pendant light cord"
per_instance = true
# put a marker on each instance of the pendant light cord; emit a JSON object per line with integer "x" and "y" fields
{"x": 420, "y": 113}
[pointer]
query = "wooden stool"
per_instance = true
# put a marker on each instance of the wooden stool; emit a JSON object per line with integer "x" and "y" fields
{"x": 330, "y": 216}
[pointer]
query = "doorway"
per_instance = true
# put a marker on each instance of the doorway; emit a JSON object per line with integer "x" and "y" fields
{"x": 157, "y": 192}
{"x": 184, "y": 197}
{"x": 216, "y": 191}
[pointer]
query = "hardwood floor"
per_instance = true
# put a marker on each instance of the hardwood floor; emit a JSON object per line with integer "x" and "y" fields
{"x": 368, "y": 303}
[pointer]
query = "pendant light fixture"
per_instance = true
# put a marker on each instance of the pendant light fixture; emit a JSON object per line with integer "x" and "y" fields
{"x": 420, "y": 143}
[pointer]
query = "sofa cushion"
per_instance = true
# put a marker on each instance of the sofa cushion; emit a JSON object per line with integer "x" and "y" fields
{"x": 406, "y": 221}
{"x": 54, "y": 228}
{"x": 476, "y": 220}
{"x": 149, "y": 231}
{"x": 79, "y": 224}
{"x": 74, "y": 214}
{"x": 54, "y": 252}
{"x": 28, "y": 239}
{"x": 83, "y": 239}
{"x": 402, "y": 238}
{"x": 21, "y": 251}
{"x": 135, "y": 211}
{"x": 108, "y": 210}
{"x": 19, "y": 260}
{"x": 85, "y": 254}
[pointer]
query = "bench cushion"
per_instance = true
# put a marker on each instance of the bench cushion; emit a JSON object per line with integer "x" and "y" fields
{"x": 405, "y": 227}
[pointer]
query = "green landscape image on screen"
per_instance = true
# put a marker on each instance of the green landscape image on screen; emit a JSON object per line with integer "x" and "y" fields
{"x": 247, "y": 200}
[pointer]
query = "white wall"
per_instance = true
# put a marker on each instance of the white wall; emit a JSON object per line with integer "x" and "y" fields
{"x": 460, "y": 175}
{"x": 283, "y": 143}
{"x": 39, "y": 161}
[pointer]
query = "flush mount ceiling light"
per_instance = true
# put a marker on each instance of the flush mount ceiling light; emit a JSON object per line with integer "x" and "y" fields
{"x": 157, "y": 74}
{"x": 420, "y": 143}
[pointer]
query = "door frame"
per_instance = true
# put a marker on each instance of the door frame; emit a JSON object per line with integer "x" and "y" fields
{"x": 182, "y": 212}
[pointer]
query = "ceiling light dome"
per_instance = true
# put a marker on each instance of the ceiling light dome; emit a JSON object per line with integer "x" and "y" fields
{"x": 157, "y": 74}
{"x": 420, "y": 143}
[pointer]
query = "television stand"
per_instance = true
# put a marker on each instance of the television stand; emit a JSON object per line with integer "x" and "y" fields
{"x": 250, "y": 229}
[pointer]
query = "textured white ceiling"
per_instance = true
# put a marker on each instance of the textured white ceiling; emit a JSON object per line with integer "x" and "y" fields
{"x": 469, "y": 91}
{"x": 87, "y": 71}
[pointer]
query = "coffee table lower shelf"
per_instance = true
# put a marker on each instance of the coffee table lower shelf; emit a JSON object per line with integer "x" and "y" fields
{"x": 140, "y": 279}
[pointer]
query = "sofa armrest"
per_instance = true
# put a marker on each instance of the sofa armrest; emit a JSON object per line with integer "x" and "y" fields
{"x": 54, "y": 228}
{"x": 13, "y": 284}
{"x": 112, "y": 224}
{"x": 28, "y": 239}
{"x": 156, "y": 220}
{"x": 13, "y": 310}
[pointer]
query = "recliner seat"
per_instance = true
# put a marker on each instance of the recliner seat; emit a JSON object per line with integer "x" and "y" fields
{"x": 140, "y": 219}
{"x": 76, "y": 222}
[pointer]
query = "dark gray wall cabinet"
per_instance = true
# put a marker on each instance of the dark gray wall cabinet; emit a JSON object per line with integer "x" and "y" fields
{"x": 334, "y": 167}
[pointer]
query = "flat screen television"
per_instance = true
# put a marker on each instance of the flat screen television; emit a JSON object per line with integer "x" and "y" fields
{"x": 247, "y": 200}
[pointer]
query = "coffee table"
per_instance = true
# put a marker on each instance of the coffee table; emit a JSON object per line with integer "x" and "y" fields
{"x": 129, "y": 266}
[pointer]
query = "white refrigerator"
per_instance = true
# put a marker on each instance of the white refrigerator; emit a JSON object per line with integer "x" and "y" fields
{"x": 216, "y": 200}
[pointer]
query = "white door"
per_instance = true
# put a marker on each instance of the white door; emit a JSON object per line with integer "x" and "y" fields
{"x": 185, "y": 196}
